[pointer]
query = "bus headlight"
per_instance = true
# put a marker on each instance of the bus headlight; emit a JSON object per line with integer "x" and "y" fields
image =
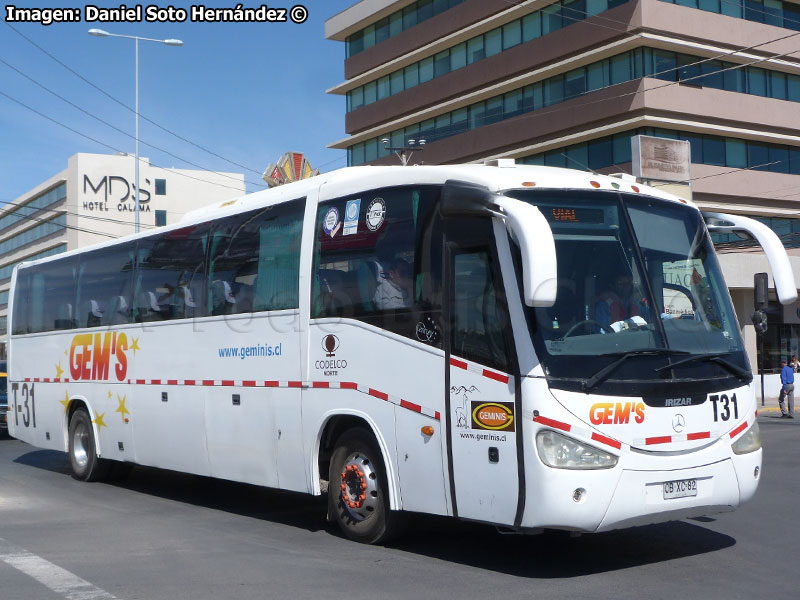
{"x": 562, "y": 452}
{"x": 749, "y": 442}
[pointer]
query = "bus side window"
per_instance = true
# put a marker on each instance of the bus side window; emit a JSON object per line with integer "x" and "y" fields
{"x": 104, "y": 286}
{"x": 479, "y": 312}
{"x": 375, "y": 261}
{"x": 52, "y": 296}
{"x": 22, "y": 301}
{"x": 166, "y": 264}
{"x": 255, "y": 260}
{"x": 479, "y": 317}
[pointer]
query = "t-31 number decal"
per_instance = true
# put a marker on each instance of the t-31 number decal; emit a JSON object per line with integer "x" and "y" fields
{"x": 722, "y": 406}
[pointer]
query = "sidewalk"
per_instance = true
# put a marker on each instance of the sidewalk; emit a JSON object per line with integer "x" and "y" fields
{"x": 770, "y": 404}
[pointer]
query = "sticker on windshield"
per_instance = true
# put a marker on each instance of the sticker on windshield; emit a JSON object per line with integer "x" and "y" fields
{"x": 376, "y": 213}
{"x": 331, "y": 224}
{"x": 351, "y": 216}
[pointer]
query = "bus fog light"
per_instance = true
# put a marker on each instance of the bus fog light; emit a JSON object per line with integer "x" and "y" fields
{"x": 749, "y": 442}
{"x": 578, "y": 495}
{"x": 562, "y": 452}
{"x": 755, "y": 473}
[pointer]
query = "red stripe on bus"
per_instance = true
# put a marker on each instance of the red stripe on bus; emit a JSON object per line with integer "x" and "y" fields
{"x": 172, "y": 382}
{"x": 28, "y": 379}
{"x": 378, "y": 394}
{"x": 295, "y": 384}
{"x": 141, "y": 381}
{"x": 664, "y": 439}
{"x": 606, "y": 440}
{"x": 36, "y": 380}
{"x": 437, "y": 416}
{"x": 208, "y": 382}
{"x": 227, "y": 382}
{"x": 45, "y": 380}
{"x": 348, "y": 385}
{"x": 321, "y": 384}
{"x": 739, "y": 429}
{"x": 496, "y": 376}
{"x": 410, "y": 406}
{"x": 271, "y": 384}
{"x": 700, "y": 435}
{"x": 458, "y": 363}
{"x": 189, "y": 382}
{"x": 249, "y": 383}
{"x": 553, "y": 423}
{"x": 155, "y": 382}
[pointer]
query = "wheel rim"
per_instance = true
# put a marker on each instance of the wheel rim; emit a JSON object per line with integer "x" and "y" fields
{"x": 80, "y": 444}
{"x": 359, "y": 486}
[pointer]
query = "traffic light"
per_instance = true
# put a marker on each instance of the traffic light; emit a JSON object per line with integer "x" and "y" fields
{"x": 760, "y": 322}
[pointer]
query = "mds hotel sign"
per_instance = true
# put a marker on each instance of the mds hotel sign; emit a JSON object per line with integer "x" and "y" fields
{"x": 661, "y": 159}
{"x": 113, "y": 192}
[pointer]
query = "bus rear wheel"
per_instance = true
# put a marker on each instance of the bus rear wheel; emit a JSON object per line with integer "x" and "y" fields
{"x": 86, "y": 466}
{"x": 358, "y": 497}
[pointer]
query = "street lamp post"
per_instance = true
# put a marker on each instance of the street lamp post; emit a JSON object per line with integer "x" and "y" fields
{"x": 170, "y": 42}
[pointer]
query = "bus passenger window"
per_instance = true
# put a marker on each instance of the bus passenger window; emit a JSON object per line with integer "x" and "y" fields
{"x": 104, "y": 286}
{"x": 167, "y": 264}
{"x": 377, "y": 258}
{"x": 255, "y": 260}
{"x": 52, "y": 296}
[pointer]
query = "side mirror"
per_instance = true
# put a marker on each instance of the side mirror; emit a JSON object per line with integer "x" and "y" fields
{"x": 773, "y": 248}
{"x": 464, "y": 199}
{"x": 538, "y": 249}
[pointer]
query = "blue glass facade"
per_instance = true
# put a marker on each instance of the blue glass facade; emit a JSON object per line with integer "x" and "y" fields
{"x": 627, "y": 66}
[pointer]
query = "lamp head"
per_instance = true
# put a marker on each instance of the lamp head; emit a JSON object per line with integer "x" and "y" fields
{"x": 98, "y": 32}
{"x": 173, "y": 42}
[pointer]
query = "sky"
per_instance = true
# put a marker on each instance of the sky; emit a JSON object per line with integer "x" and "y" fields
{"x": 247, "y": 92}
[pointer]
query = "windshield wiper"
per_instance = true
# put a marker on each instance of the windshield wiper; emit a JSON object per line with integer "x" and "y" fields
{"x": 715, "y": 358}
{"x": 603, "y": 373}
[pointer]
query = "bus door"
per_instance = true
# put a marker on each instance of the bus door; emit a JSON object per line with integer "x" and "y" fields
{"x": 482, "y": 404}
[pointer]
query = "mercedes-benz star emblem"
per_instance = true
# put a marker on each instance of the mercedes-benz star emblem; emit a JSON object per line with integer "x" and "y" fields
{"x": 678, "y": 423}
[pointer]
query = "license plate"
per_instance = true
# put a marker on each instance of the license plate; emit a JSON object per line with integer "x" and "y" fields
{"x": 680, "y": 489}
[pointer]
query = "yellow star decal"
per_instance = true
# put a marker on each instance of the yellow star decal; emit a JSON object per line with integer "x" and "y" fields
{"x": 65, "y": 402}
{"x": 109, "y": 394}
{"x": 99, "y": 420}
{"x": 135, "y": 345}
{"x": 122, "y": 410}
{"x": 59, "y": 370}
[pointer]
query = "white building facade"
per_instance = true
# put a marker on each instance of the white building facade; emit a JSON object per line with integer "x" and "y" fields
{"x": 91, "y": 201}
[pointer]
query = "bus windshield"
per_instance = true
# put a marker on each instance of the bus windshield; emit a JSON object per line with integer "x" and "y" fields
{"x": 639, "y": 276}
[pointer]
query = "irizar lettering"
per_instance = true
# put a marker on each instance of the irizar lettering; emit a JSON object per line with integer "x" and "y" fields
{"x": 678, "y": 402}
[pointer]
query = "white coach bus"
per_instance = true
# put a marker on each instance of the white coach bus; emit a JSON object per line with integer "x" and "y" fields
{"x": 523, "y": 346}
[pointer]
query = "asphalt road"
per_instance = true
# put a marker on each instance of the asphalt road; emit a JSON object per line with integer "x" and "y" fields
{"x": 162, "y": 535}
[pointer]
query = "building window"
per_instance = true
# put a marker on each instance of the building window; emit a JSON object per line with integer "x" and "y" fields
{"x": 395, "y": 23}
{"x": 483, "y": 46}
{"x": 771, "y": 12}
{"x": 161, "y": 187}
{"x": 647, "y": 62}
{"x": 161, "y": 218}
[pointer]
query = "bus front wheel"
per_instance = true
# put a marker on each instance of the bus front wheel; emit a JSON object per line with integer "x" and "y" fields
{"x": 358, "y": 497}
{"x": 86, "y": 466}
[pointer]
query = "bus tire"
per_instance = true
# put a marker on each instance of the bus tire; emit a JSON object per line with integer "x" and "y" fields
{"x": 358, "y": 493}
{"x": 86, "y": 466}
